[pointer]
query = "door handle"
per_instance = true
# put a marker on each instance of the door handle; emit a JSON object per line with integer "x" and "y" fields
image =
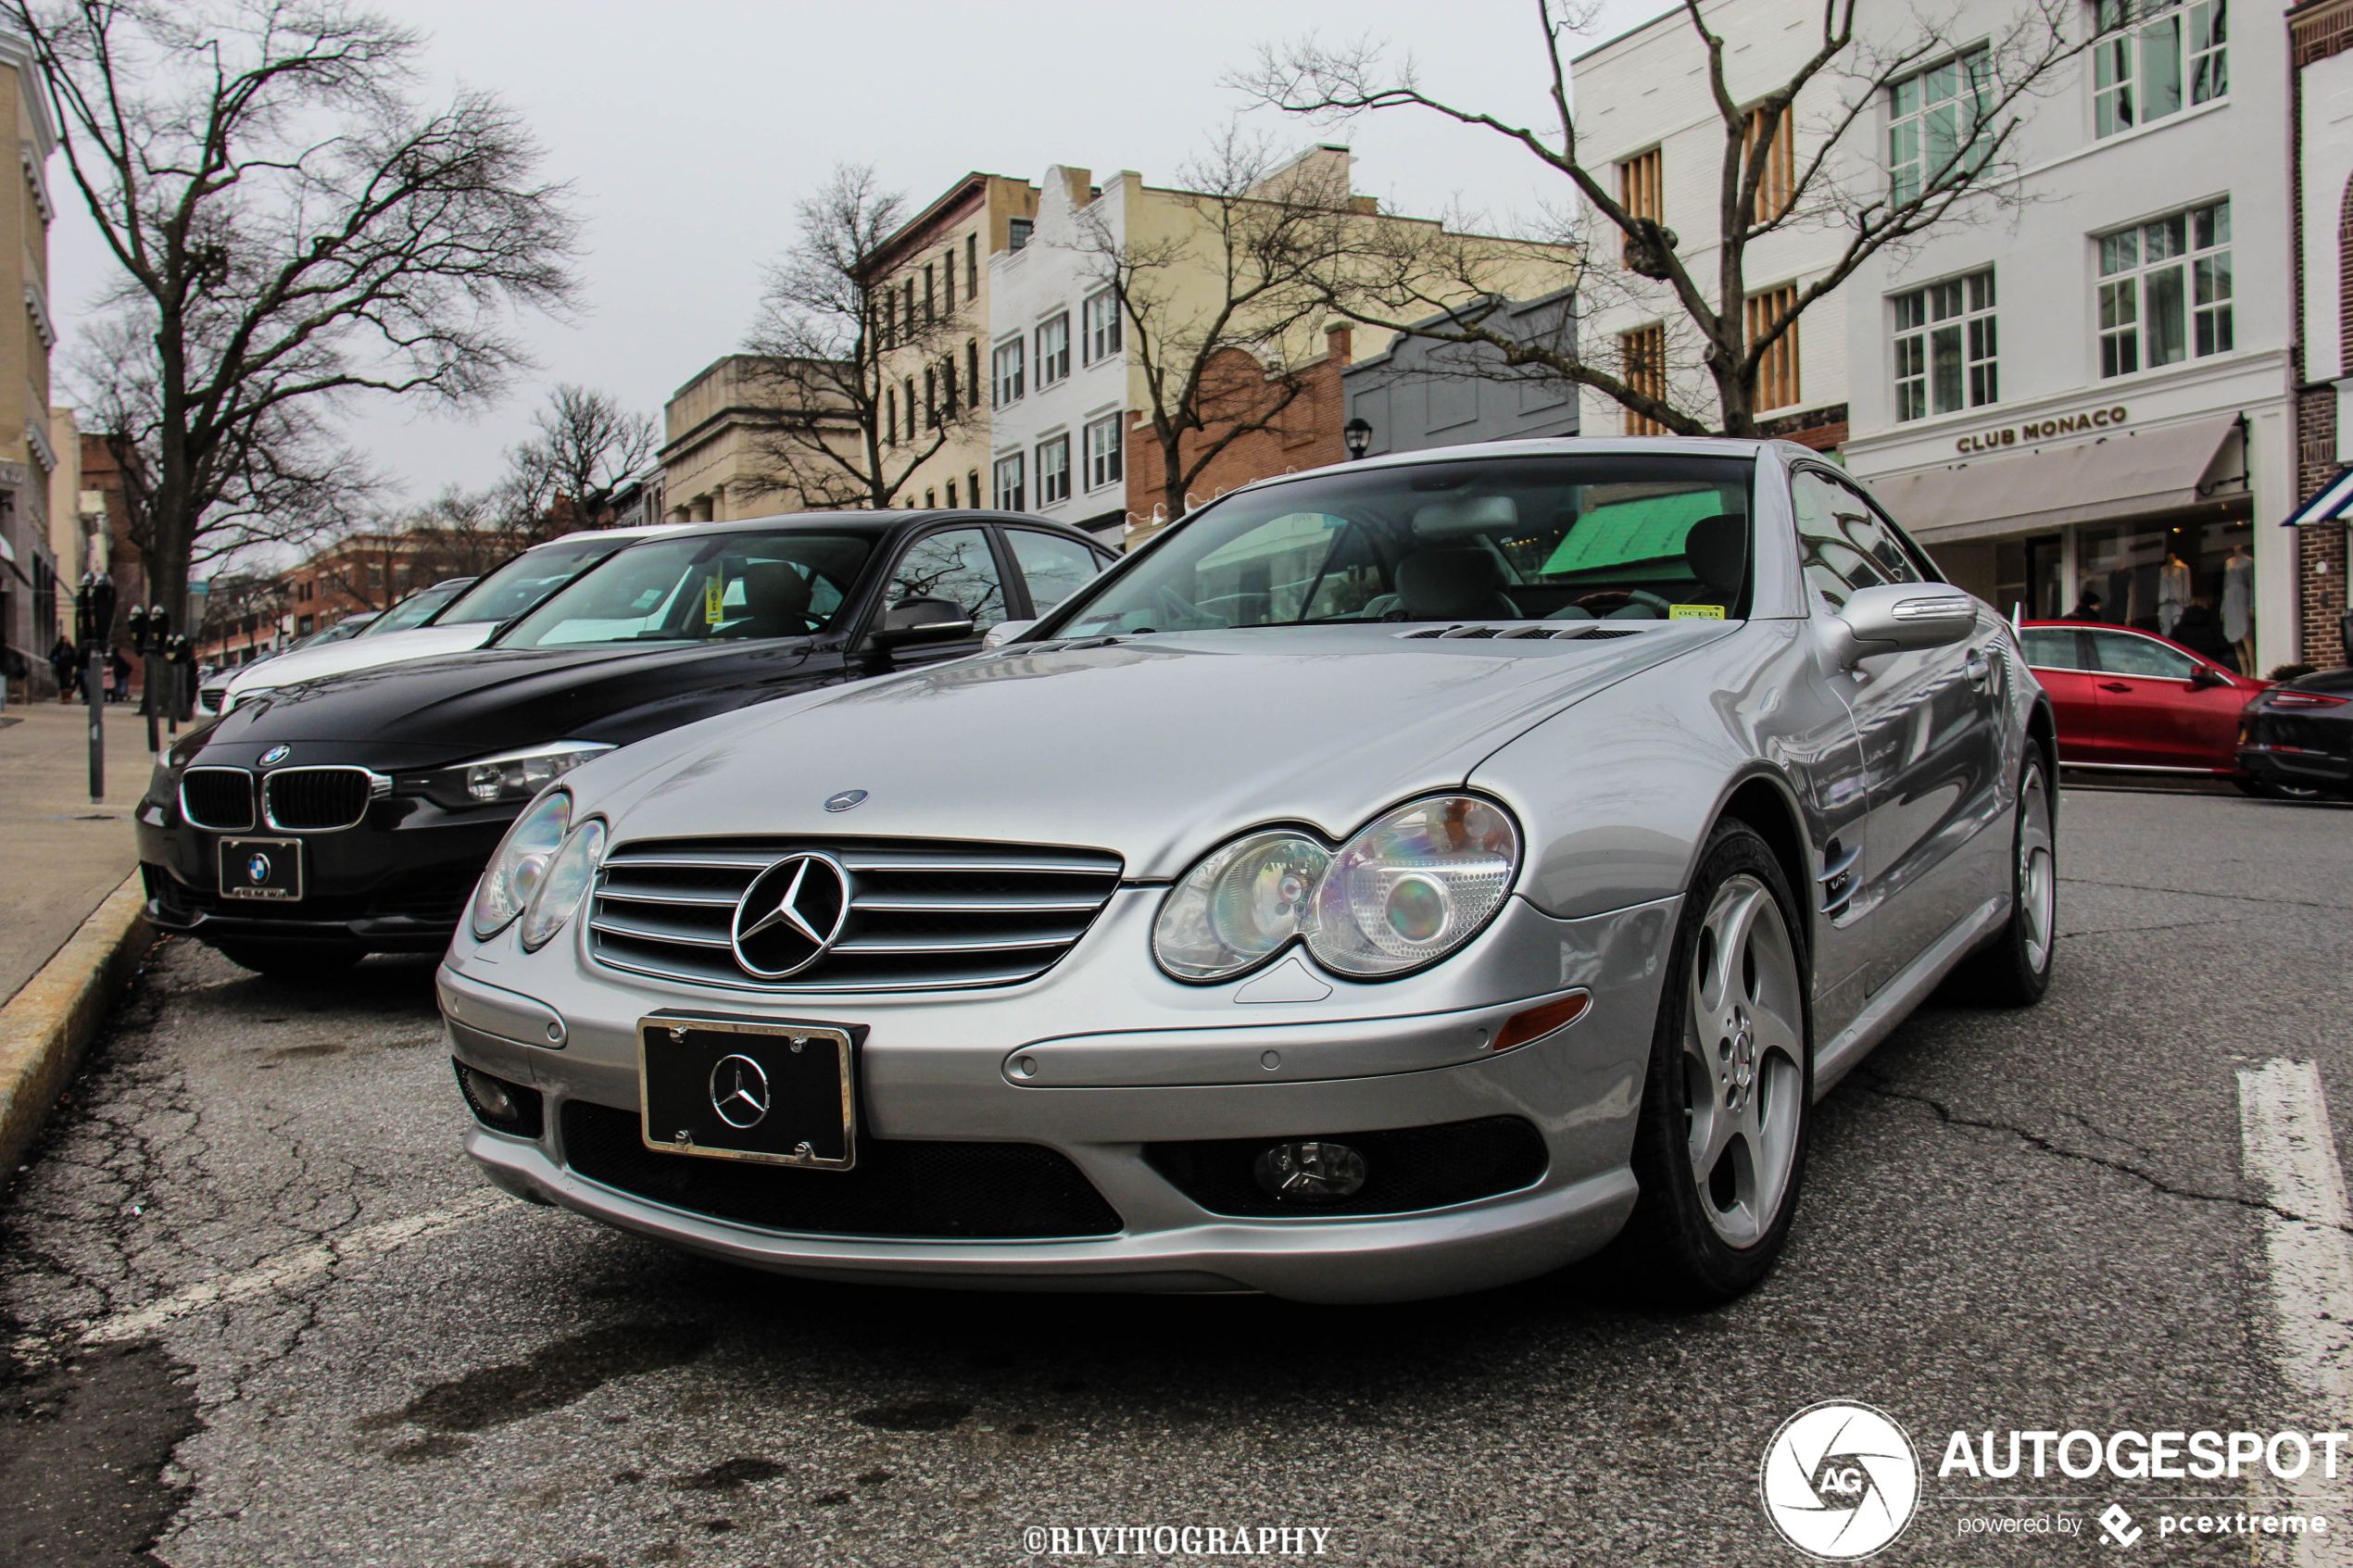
{"x": 1979, "y": 668}
{"x": 2114, "y": 686}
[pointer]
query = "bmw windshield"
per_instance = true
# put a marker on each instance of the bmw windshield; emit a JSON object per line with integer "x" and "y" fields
{"x": 698, "y": 587}
{"x": 1607, "y": 536}
{"x": 526, "y": 580}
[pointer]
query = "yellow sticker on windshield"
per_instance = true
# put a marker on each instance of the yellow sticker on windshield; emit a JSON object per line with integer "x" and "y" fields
{"x": 712, "y": 614}
{"x": 1694, "y": 613}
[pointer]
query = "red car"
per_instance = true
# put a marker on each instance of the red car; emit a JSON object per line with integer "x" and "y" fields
{"x": 2134, "y": 702}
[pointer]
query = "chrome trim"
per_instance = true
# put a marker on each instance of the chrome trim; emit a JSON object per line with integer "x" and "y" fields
{"x": 976, "y": 903}
{"x": 742, "y": 982}
{"x": 253, "y": 818}
{"x": 379, "y": 788}
{"x": 949, "y": 944}
{"x": 655, "y": 933}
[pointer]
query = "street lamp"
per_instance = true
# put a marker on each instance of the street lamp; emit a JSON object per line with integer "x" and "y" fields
{"x": 1358, "y": 434}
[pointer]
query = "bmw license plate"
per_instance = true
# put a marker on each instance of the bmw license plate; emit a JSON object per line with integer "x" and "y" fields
{"x": 261, "y": 868}
{"x": 779, "y": 1094}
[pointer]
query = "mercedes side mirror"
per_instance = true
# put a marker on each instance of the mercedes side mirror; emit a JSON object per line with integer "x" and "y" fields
{"x": 922, "y": 621}
{"x": 1004, "y": 632}
{"x": 1898, "y": 617}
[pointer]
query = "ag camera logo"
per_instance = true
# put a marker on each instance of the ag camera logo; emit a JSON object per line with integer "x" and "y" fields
{"x": 1841, "y": 1480}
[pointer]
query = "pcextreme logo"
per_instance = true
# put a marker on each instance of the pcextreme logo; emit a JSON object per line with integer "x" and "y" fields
{"x": 1841, "y": 1480}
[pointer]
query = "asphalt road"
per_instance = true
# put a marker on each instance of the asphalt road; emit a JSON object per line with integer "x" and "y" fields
{"x": 260, "y": 1311}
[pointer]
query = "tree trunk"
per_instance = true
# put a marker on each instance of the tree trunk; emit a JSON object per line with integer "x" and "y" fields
{"x": 1172, "y": 472}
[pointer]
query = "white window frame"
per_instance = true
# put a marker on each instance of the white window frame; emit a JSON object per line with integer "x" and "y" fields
{"x": 1007, "y": 476}
{"x": 1106, "y": 451}
{"x": 2175, "y": 51}
{"x": 1930, "y": 114}
{"x": 1006, "y": 363}
{"x": 1053, "y": 355}
{"x": 2132, "y": 290}
{"x": 1053, "y": 479}
{"x": 1103, "y": 324}
{"x": 1953, "y": 317}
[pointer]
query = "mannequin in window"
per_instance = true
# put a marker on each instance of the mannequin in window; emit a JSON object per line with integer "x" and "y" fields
{"x": 2172, "y": 591}
{"x": 2238, "y": 605}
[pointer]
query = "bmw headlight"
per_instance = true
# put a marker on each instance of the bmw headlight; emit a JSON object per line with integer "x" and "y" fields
{"x": 521, "y": 864}
{"x": 1404, "y": 891}
{"x": 563, "y": 884}
{"x": 510, "y": 775}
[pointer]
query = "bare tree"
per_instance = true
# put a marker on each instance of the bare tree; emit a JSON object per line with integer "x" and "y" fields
{"x": 292, "y": 230}
{"x": 1717, "y": 328}
{"x": 584, "y": 446}
{"x": 1216, "y": 312}
{"x": 845, "y": 429}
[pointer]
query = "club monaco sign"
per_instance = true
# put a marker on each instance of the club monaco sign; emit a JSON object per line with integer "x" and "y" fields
{"x": 2041, "y": 430}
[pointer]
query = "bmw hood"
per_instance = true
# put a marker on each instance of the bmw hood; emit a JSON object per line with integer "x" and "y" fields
{"x": 1155, "y": 748}
{"x": 360, "y": 653}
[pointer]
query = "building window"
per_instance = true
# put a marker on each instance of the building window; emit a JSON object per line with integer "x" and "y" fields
{"x": 1102, "y": 325}
{"x": 1009, "y": 487}
{"x": 1777, "y": 372}
{"x": 911, "y": 408}
{"x": 972, "y": 285}
{"x": 1639, "y": 190}
{"x": 890, "y": 418}
{"x": 952, "y": 495}
{"x": 2147, "y": 50}
{"x": 1641, "y": 355}
{"x": 1005, "y": 364}
{"x": 2165, "y": 291}
{"x": 1105, "y": 454}
{"x": 1054, "y": 471}
{"x": 947, "y": 276}
{"x": 930, "y": 314}
{"x": 1945, "y": 347}
{"x": 972, "y": 379}
{"x": 948, "y": 383}
{"x": 1776, "y": 185}
{"x": 931, "y": 399}
{"x": 1930, "y": 117}
{"x": 1053, "y": 358}
{"x": 1017, "y": 232}
{"x": 908, "y": 311}
{"x": 931, "y": 500}
{"x": 885, "y": 324}
{"x": 972, "y": 486}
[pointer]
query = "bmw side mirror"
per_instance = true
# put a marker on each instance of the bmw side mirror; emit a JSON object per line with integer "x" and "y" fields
{"x": 1898, "y": 617}
{"x": 1004, "y": 632}
{"x": 922, "y": 621}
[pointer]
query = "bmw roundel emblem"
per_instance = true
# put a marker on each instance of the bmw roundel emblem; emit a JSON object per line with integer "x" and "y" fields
{"x": 258, "y": 870}
{"x": 845, "y": 800}
{"x": 276, "y": 755}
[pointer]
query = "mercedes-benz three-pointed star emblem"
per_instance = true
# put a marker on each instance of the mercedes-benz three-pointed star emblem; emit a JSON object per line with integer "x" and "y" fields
{"x": 790, "y": 915}
{"x": 740, "y": 1092}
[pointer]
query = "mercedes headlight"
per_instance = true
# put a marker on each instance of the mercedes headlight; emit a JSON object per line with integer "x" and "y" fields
{"x": 1404, "y": 891}
{"x": 563, "y": 884}
{"x": 521, "y": 864}
{"x": 510, "y": 775}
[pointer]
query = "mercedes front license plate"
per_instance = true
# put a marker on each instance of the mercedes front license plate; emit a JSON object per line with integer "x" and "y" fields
{"x": 261, "y": 868}
{"x": 780, "y": 1094}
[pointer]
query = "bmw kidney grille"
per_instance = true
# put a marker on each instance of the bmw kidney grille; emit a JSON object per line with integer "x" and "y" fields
{"x": 895, "y": 916}
{"x": 220, "y": 798}
{"x": 315, "y": 799}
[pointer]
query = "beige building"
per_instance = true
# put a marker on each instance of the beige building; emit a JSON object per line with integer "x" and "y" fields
{"x": 712, "y": 451}
{"x": 68, "y": 538}
{"x": 29, "y": 565}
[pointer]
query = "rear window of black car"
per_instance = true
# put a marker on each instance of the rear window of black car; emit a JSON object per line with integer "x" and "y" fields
{"x": 1605, "y": 536}
{"x": 702, "y": 587}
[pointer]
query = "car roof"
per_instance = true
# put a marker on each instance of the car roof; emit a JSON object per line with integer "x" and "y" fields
{"x": 1555, "y": 446}
{"x": 860, "y": 520}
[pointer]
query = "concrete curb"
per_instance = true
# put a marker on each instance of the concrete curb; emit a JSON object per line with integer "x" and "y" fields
{"x": 45, "y": 1027}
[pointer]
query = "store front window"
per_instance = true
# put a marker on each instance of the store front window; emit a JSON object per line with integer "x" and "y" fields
{"x": 2194, "y": 583}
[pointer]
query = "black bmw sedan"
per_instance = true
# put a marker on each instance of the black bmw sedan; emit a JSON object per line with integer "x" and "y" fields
{"x": 2295, "y": 740}
{"x": 352, "y": 815}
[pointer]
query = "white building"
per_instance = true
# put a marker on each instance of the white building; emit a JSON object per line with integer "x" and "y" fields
{"x": 1055, "y": 359}
{"x": 2089, "y": 391}
{"x": 1646, "y": 116}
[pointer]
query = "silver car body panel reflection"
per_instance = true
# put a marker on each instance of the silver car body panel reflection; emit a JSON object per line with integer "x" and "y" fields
{"x": 1891, "y": 787}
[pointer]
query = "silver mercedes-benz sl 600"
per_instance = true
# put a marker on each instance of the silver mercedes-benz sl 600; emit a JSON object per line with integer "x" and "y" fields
{"x": 1396, "y": 879}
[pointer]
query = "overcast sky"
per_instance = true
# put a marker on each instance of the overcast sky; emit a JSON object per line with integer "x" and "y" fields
{"x": 690, "y": 128}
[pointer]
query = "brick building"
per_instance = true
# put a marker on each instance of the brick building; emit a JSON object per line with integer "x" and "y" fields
{"x": 1302, "y": 433}
{"x": 2320, "y": 171}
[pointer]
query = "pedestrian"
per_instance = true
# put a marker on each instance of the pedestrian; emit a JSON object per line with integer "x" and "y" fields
{"x": 62, "y": 664}
{"x": 2087, "y": 605}
{"x": 118, "y": 677}
{"x": 2198, "y": 629}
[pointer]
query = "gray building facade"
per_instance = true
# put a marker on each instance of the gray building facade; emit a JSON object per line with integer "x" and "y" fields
{"x": 1421, "y": 393}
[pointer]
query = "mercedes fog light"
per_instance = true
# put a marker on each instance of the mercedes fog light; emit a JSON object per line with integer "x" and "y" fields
{"x": 1310, "y": 1172}
{"x": 491, "y": 1096}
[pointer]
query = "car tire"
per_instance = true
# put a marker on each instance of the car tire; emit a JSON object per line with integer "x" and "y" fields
{"x": 2012, "y": 968}
{"x": 293, "y": 961}
{"x": 2264, "y": 789}
{"x": 1719, "y": 1181}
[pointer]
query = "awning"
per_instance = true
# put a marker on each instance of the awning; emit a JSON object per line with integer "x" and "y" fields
{"x": 2333, "y": 503}
{"x": 2124, "y": 475}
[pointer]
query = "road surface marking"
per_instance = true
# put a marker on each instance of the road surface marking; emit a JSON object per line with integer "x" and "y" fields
{"x": 292, "y": 1268}
{"x": 2291, "y": 1150}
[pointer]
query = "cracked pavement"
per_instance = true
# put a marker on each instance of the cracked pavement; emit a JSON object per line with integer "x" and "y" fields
{"x": 2025, "y": 1218}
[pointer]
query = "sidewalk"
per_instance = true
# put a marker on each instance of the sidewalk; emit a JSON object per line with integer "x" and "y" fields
{"x": 63, "y": 855}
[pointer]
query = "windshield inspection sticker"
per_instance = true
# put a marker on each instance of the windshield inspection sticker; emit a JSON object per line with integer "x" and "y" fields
{"x": 1694, "y": 613}
{"x": 712, "y": 610}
